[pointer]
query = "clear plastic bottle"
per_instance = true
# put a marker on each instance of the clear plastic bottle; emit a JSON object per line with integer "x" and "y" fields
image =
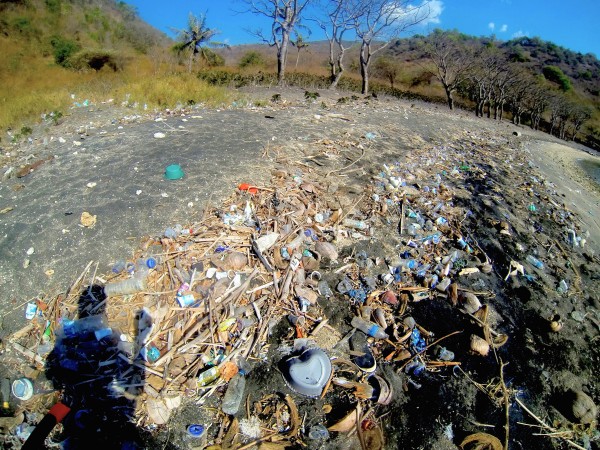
{"x": 534, "y": 262}
{"x": 234, "y": 394}
{"x": 408, "y": 264}
{"x": 125, "y": 287}
{"x": 369, "y": 328}
{"x": 356, "y": 224}
{"x": 135, "y": 284}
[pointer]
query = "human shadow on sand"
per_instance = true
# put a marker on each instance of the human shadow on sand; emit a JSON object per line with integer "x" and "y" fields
{"x": 100, "y": 376}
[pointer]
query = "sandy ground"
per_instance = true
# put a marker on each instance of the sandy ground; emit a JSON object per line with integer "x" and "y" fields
{"x": 222, "y": 148}
{"x": 562, "y": 165}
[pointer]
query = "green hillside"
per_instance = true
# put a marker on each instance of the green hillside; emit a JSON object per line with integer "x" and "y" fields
{"x": 57, "y": 50}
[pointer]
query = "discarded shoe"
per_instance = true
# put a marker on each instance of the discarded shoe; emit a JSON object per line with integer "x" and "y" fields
{"x": 362, "y": 355}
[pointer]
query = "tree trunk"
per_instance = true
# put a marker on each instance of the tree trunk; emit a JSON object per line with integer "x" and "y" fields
{"x": 364, "y": 68}
{"x": 282, "y": 56}
{"x": 297, "y": 59}
{"x": 336, "y": 79}
{"x": 191, "y": 61}
{"x": 449, "y": 97}
{"x": 336, "y": 70}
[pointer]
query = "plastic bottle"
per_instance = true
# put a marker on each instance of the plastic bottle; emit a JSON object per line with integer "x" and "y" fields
{"x": 369, "y": 328}
{"x": 80, "y": 327}
{"x": 408, "y": 264}
{"x": 208, "y": 376}
{"x": 563, "y": 287}
{"x": 356, "y": 224}
{"x": 132, "y": 285}
{"x": 234, "y": 394}
{"x": 534, "y": 262}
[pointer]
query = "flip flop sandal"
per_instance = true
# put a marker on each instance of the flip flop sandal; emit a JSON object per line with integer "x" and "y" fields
{"x": 362, "y": 355}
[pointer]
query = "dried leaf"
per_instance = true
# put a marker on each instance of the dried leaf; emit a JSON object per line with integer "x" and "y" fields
{"x": 481, "y": 441}
{"x": 348, "y": 422}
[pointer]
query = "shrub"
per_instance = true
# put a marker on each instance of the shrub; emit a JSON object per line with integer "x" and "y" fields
{"x": 96, "y": 60}
{"x": 63, "y": 50}
{"x": 54, "y": 6}
{"x": 554, "y": 74}
{"x": 251, "y": 59}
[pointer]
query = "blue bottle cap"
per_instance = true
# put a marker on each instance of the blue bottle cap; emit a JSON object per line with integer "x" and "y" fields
{"x": 195, "y": 430}
{"x": 151, "y": 263}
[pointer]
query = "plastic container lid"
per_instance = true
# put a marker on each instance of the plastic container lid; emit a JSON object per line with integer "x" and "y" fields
{"x": 308, "y": 373}
{"x": 174, "y": 172}
{"x": 195, "y": 430}
{"x": 22, "y": 388}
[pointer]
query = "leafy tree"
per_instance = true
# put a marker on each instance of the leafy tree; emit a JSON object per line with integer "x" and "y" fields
{"x": 554, "y": 74}
{"x": 196, "y": 39}
{"x": 388, "y": 68}
{"x": 251, "y": 59}
{"x": 285, "y": 16}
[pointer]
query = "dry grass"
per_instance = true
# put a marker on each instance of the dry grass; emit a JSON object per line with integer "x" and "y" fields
{"x": 30, "y": 86}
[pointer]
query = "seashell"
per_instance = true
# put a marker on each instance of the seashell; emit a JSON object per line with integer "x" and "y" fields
{"x": 486, "y": 268}
{"x": 453, "y": 292}
{"x": 385, "y": 389}
{"x": 583, "y": 407}
{"x": 279, "y": 173}
{"x": 371, "y": 434}
{"x": 231, "y": 261}
{"x": 390, "y": 298}
{"x": 409, "y": 322}
{"x": 306, "y": 293}
{"x": 379, "y": 317}
{"x": 311, "y": 262}
{"x": 479, "y": 345}
{"x": 470, "y": 304}
{"x": 556, "y": 323}
{"x": 404, "y": 354}
{"x": 327, "y": 250}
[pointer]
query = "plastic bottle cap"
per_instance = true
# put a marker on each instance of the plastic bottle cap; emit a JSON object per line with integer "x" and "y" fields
{"x": 22, "y": 388}
{"x": 151, "y": 263}
{"x": 195, "y": 430}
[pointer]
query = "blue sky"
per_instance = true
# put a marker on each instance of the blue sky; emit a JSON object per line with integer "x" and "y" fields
{"x": 570, "y": 24}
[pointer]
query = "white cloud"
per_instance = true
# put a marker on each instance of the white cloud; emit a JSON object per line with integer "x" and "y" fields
{"x": 435, "y": 11}
{"x": 519, "y": 34}
{"x": 503, "y": 28}
{"x": 491, "y": 26}
{"x": 432, "y": 9}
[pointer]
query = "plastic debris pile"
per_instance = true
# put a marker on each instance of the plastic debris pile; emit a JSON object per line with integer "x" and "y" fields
{"x": 195, "y": 308}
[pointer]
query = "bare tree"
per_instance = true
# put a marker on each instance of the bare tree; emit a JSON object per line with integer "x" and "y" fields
{"x": 379, "y": 24}
{"x": 536, "y": 103}
{"x": 339, "y": 17}
{"x": 285, "y": 16}
{"x": 579, "y": 115}
{"x": 451, "y": 58}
